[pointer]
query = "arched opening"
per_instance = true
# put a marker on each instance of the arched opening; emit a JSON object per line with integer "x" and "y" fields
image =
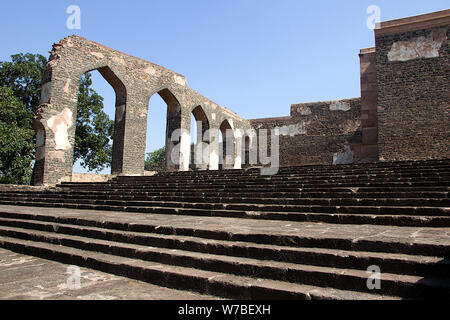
{"x": 199, "y": 139}
{"x": 226, "y": 146}
{"x": 246, "y": 157}
{"x": 99, "y": 128}
{"x": 39, "y": 162}
{"x": 163, "y": 131}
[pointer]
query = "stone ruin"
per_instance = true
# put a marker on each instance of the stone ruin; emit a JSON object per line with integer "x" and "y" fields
{"x": 402, "y": 114}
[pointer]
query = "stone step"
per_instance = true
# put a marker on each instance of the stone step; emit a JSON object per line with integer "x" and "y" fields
{"x": 305, "y": 170}
{"x": 374, "y": 209}
{"x": 286, "y": 177}
{"x": 102, "y": 195}
{"x": 301, "y": 175}
{"x": 427, "y": 164}
{"x": 284, "y": 201}
{"x": 274, "y": 186}
{"x": 389, "y": 263}
{"x": 273, "y": 179}
{"x": 406, "y": 286}
{"x": 213, "y": 283}
{"x": 409, "y": 241}
{"x": 267, "y": 189}
{"x": 396, "y": 219}
{"x": 388, "y": 220}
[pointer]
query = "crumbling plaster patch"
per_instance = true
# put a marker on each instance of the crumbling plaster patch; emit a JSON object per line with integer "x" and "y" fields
{"x": 60, "y": 125}
{"x": 292, "y": 130}
{"x": 340, "y": 106}
{"x": 420, "y": 47}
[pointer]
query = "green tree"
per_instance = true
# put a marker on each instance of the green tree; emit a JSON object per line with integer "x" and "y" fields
{"x": 24, "y": 75}
{"x": 156, "y": 158}
{"x": 16, "y": 139}
{"x": 94, "y": 129}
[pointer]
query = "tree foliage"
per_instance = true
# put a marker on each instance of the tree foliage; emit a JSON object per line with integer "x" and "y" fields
{"x": 94, "y": 130}
{"x": 16, "y": 139}
{"x": 24, "y": 75}
{"x": 156, "y": 158}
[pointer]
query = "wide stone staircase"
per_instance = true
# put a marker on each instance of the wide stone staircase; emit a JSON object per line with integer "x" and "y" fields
{"x": 305, "y": 233}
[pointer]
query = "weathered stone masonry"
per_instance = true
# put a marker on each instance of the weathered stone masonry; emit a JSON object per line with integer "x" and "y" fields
{"x": 404, "y": 109}
{"x": 134, "y": 81}
{"x": 403, "y": 112}
{"x": 413, "y": 80}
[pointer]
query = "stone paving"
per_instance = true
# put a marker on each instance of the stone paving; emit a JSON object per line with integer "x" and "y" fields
{"x": 24, "y": 277}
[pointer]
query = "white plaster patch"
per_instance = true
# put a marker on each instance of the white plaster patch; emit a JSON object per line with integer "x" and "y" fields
{"x": 304, "y": 110}
{"x": 345, "y": 157}
{"x": 340, "y": 106}
{"x": 179, "y": 80}
{"x": 45, "y": 93}
{"x": 98, "y": 55}
{"x": 420, "y": 47}
{"x": 292, "y": 130}
{"x": 60, "y": 125}
{"x": 213, "y": 116}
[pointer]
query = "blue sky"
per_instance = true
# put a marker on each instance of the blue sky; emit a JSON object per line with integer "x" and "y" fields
{"x": 255, "y": 57}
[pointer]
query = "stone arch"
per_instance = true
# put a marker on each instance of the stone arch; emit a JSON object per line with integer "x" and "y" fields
{"x": 200, "y": 154}
{"x": 174, "y": 134}
{"x": 249, "y": 150}
{"x": 227, "y": 151}
{"x": 120, "y": 116}
{"x": 56, "y": 119}
{"x": 134, "y": 81}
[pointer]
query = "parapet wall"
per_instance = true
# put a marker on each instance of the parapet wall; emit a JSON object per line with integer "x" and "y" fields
{"x": 318, "y": 133}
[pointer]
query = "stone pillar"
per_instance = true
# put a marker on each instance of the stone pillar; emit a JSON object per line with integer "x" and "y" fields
{"x": 131, "y": 136}
{"x": 185, "y": 143}
{"x": 55, "y": 123}
{"x": 369, "y": 117}
{"x": 214, "y": 149}
{"x": 238, "y": 149}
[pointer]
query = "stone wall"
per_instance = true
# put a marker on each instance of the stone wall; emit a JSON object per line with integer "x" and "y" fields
{"x": 413, "y": 80}
{"x": 318, "y": 133}
{"x": 88, "y": 177}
